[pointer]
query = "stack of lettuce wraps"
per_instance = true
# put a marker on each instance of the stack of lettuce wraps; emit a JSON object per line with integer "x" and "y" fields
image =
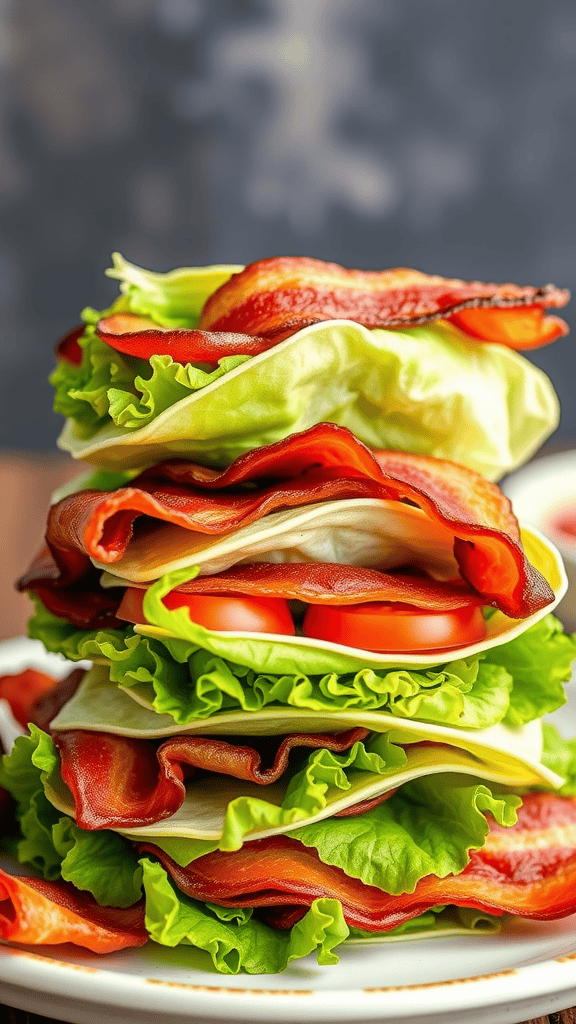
{"x": 321, "y": 645}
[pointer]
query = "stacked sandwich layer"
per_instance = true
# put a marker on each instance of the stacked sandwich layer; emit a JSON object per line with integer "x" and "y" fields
{"x": 319, "y": 667}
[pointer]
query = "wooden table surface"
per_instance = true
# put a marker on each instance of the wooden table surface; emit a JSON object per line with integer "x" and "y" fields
{"x": 26, "y": 483}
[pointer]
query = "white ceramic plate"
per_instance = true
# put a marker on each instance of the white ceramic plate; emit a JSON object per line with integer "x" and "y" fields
{"x": 526, "y": 971}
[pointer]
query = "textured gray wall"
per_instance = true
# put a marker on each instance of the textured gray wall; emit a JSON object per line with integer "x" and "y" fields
{"x": 430, "y": 133}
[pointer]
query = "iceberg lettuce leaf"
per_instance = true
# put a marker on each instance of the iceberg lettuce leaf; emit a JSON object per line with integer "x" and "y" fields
{"x": 539, "y": 661}
{"x": 428, "y": 390}
{"x": 173, "y": 299}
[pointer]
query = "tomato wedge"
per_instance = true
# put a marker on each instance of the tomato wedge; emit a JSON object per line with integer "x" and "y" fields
{"x": 392, "y": 627}
{"x": 246, "y": 614}
{"x": 517, "y": 327}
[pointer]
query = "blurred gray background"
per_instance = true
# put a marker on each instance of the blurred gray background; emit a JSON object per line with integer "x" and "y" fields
{"x": 438, "y": 134}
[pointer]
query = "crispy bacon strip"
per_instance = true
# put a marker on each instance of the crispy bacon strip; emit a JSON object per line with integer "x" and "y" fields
{"x": 69, "y": 587}
{"x": 117, "y": 781}
{"x": 332, "y": 584}
{"x": 137, "y": 336}
{"x": 34, "y": 911}
{"x": 276, "y": 297}
{"x": 47, "y": 705}
{"x": 323, "y": 463}
{"x": 327, "y": 583}
{"x": 528, "y": 870}
{"x": 273, "y": 298}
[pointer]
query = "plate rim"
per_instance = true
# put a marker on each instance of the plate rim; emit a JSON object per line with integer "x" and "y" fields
{"x": 104, "y": 987}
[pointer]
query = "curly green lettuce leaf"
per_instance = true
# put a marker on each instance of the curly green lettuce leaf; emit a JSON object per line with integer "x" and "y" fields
{"x": 101, "y": 862}
{"x": 82, "y": 388}
{"x": 35, "y": 844}
{"x": 109, "y": 386}
{"x": 465, "y": 695}
{"x": 59, "y": 637}
{"x": 22, "y": 773}
{"x": 539, "y": 661}
{"x": 326, "y": 772}
{"x": 178, "y": 678}
{"x": 428, "y": 828}
{"x": 32, "y": 759}
{"x": 324, "y": 777}
{"x": 168, "y": 383}
{"x": 246, "y": 945}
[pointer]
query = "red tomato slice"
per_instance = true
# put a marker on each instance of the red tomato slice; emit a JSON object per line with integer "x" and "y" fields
{"x": 246, "y": 614}
{"x": 517, "y": 327}
{"x": 389, "y": 627}
{"x": 377, "y": 626}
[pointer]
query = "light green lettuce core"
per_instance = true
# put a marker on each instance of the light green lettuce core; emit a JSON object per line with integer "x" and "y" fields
{"x": 174, "y": 299}
{"x": 429, "y": 390}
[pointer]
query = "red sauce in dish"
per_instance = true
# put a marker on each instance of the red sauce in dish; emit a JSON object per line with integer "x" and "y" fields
{"x": 565, "y": 522}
